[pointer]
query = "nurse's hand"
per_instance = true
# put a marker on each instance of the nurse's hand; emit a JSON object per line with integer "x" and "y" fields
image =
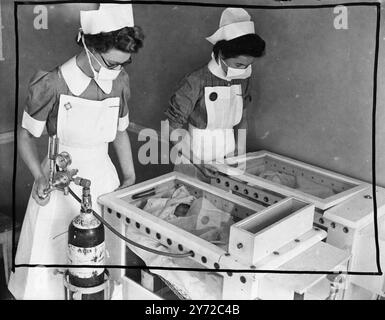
{"x": 127, "y": 182}
{"x": 206, "y": 171}
{"x": 40, "y": 185}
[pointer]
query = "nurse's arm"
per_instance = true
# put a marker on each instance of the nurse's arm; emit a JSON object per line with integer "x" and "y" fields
{"x": 28, "y": 151}
{"x": 122, "y": 147}
{"x": 240, "y": 132}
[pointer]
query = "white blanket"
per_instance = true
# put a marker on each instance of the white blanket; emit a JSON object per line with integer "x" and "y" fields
{"x": 298, "y": 182}
{"x": 204, "y": 220}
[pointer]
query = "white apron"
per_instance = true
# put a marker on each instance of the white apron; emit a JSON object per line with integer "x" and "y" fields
{"x": 224, "y": 107}
{"x": 84, "y": 128}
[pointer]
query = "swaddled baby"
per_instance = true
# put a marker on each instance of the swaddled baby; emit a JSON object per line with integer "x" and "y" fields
{"x": 168, "y": 208}
{"x": 298, "y": 182}
{"x": 281, "y": 178}
{"x": 204, "y": 220}
{"x": 181, "y": 210}
{"x": 198, "y": 216}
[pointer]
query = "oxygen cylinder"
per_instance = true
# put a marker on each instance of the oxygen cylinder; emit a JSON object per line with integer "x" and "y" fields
{"x": 86, "y": 247}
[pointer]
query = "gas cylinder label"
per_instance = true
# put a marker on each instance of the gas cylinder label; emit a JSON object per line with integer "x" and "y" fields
{"x": 86, "y": 256}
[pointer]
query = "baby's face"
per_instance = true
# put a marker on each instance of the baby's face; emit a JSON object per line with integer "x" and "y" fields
{"x": 181, "y": 210}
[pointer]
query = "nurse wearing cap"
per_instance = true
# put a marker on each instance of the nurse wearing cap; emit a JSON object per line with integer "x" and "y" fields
{"x": 212, "y": 100}
{"x": 84, "y": 102}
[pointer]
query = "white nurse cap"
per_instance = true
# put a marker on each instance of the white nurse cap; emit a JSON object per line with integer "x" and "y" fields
{"x": 109, "y": 17}
{"x": 235, "y": 22}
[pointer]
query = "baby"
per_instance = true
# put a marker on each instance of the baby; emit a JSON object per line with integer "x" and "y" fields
{"x": 181, "y": 210}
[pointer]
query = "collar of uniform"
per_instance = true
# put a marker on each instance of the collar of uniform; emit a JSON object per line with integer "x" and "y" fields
{"x": 216, "y": 69}
{"x": 77, "y": 81}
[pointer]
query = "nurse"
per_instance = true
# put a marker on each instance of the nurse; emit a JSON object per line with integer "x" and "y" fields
{"x": 212, "y": 100}
{"x": 84, "y": 102}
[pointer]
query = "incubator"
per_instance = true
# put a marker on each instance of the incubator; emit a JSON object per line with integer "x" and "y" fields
{"x": 219, "y": 245}
{"x": 344, "y": 208}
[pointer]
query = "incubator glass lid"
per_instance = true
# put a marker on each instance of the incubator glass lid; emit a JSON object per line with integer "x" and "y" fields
{"x": 207, "y": 213}
{"x": 291, "y": 177}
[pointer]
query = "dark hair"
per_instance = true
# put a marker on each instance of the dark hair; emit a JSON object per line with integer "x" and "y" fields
{"x": 128, "y": 39}
{"x": 248, "y": 45}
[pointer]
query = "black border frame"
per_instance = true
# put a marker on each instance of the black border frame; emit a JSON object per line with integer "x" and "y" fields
{"x": 377, "y": 5}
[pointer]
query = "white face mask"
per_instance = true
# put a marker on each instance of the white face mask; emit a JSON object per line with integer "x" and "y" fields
{"x": 104, "y": 74}
{"x": 236, "y": 73}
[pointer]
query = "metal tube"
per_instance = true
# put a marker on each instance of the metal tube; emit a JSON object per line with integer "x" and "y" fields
{"x": 52, "y": 153}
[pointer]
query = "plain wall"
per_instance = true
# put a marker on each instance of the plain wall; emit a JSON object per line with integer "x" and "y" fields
{"x": 7, "y": 67}
{"x": 312, "y": 92}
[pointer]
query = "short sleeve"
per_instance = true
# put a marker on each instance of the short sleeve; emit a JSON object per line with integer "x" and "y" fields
{"x": 40, "y": 101}
{"x": 247, "y": 94}
{"x": 183, "y": 101}
{"x": 124, "y": 121}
